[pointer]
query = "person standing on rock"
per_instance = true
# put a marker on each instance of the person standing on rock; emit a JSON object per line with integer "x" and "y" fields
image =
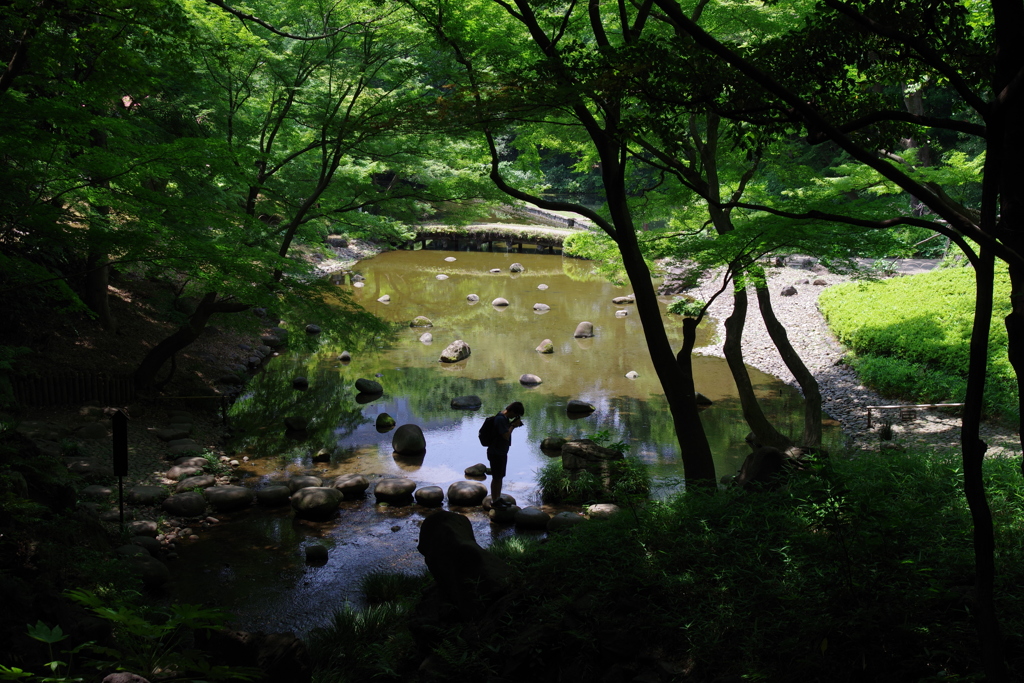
{"x": 505, "y": 423}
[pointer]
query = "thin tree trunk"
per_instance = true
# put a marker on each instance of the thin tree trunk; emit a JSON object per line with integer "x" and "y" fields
{"x": 808, "y": 385}
{"x": 765, "y": 433}
{"x": 973, "y": 449}
{"x": 97, "y": 290}
{"x": 145, "y": 374}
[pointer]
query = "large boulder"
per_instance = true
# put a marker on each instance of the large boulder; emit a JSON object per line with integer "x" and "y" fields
{"x": 409, "y": 440}
{"x": 466, "y": 402}
{"x": 628, "y": 299}
{"x": 546, "y": 346}
{"x": 500, "y": 301}
{"x": 541, "y": 308}
{"x": 421, "y": 321}
{"x": 368, "y": 386}
{"x": 384, "y": 423}
{"x": 187, "y": 504}
{"x": 466, "y": 575}
{"x": 228, "y": 498}
{"x": 466, "y": 494}
{"x": 529, "y": 379}
{"x": 316, "y": 502}
{"x": 352, "y": 485}
{"x": 430, "y": 496}
{"x": 454, "y": 352}
{"x": 516, "y": 268}
{"x": 583, "y": 330}
{"x": 397, "y": 491}
{"x": 789, "y": 290}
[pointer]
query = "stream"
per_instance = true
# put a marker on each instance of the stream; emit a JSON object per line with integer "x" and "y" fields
{"x": 253, "y": 563}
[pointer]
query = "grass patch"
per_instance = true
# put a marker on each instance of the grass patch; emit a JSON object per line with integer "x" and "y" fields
{"x": 630, "y": 480}
{"x": 910, "y": 337}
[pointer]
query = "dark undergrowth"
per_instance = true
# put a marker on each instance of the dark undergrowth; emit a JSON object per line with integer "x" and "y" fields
{"x": 861, "y": 571}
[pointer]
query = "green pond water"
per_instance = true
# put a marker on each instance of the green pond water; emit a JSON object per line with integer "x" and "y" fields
{"x": 253, "y": 563}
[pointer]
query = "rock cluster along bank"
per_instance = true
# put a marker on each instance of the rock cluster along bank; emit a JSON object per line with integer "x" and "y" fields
{"x": 844, "y": 398}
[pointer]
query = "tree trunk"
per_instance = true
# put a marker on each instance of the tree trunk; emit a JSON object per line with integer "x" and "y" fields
{"x": 145, "y": 374}
{"x": 808, "y": 385}
{"x": 973, "y": 449}
{"x": 97, "y": 290}
{"x": 674, "y": 371}
{"x": 765, "y": 433}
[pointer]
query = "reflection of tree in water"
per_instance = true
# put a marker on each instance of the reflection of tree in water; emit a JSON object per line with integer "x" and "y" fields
{"x": 328, "y": 404}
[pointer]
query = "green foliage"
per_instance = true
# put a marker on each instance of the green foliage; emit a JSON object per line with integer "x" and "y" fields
{"x": 158, "y": 641}
{"x": 379, "y": 587}
{"x": 686, "y": 307}
{"x": 911, "y": 336}
{"x": 369, "y": 644}
{"x": 629, "y": 479}
{"x": 859, "y": 569}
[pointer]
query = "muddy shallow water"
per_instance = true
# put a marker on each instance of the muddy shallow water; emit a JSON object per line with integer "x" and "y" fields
{"x": 253, "y": 563}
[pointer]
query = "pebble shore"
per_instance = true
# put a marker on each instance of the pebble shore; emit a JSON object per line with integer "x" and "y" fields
{"x": 844, "y": 398}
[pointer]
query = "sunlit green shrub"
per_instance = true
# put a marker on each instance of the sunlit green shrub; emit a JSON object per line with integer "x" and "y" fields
{"x": 911, "y": 336}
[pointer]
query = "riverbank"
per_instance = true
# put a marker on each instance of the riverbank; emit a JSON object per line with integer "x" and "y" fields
{"x": 844, "y": 398}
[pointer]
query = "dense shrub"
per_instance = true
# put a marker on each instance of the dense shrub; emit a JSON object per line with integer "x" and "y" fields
{"x": 910, "y": 336}
{"x": 860, "y": 570}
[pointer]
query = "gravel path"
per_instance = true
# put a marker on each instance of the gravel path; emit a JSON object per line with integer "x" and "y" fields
{"x": 844, "y": 397}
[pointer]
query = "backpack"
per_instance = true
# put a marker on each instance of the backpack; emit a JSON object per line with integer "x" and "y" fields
{"x": 488, "y": 432}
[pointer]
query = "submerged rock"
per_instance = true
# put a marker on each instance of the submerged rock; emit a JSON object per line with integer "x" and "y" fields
{"x": 466, "y": 402}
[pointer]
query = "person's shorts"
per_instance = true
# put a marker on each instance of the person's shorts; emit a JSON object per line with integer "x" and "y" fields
{"x": 498, "y": 458}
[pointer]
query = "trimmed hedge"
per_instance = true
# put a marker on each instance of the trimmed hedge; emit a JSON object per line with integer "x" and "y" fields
{"x": 910, "y": 336}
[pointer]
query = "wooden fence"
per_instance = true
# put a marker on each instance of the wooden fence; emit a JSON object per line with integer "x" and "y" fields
{"x": 70, "y": 388}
